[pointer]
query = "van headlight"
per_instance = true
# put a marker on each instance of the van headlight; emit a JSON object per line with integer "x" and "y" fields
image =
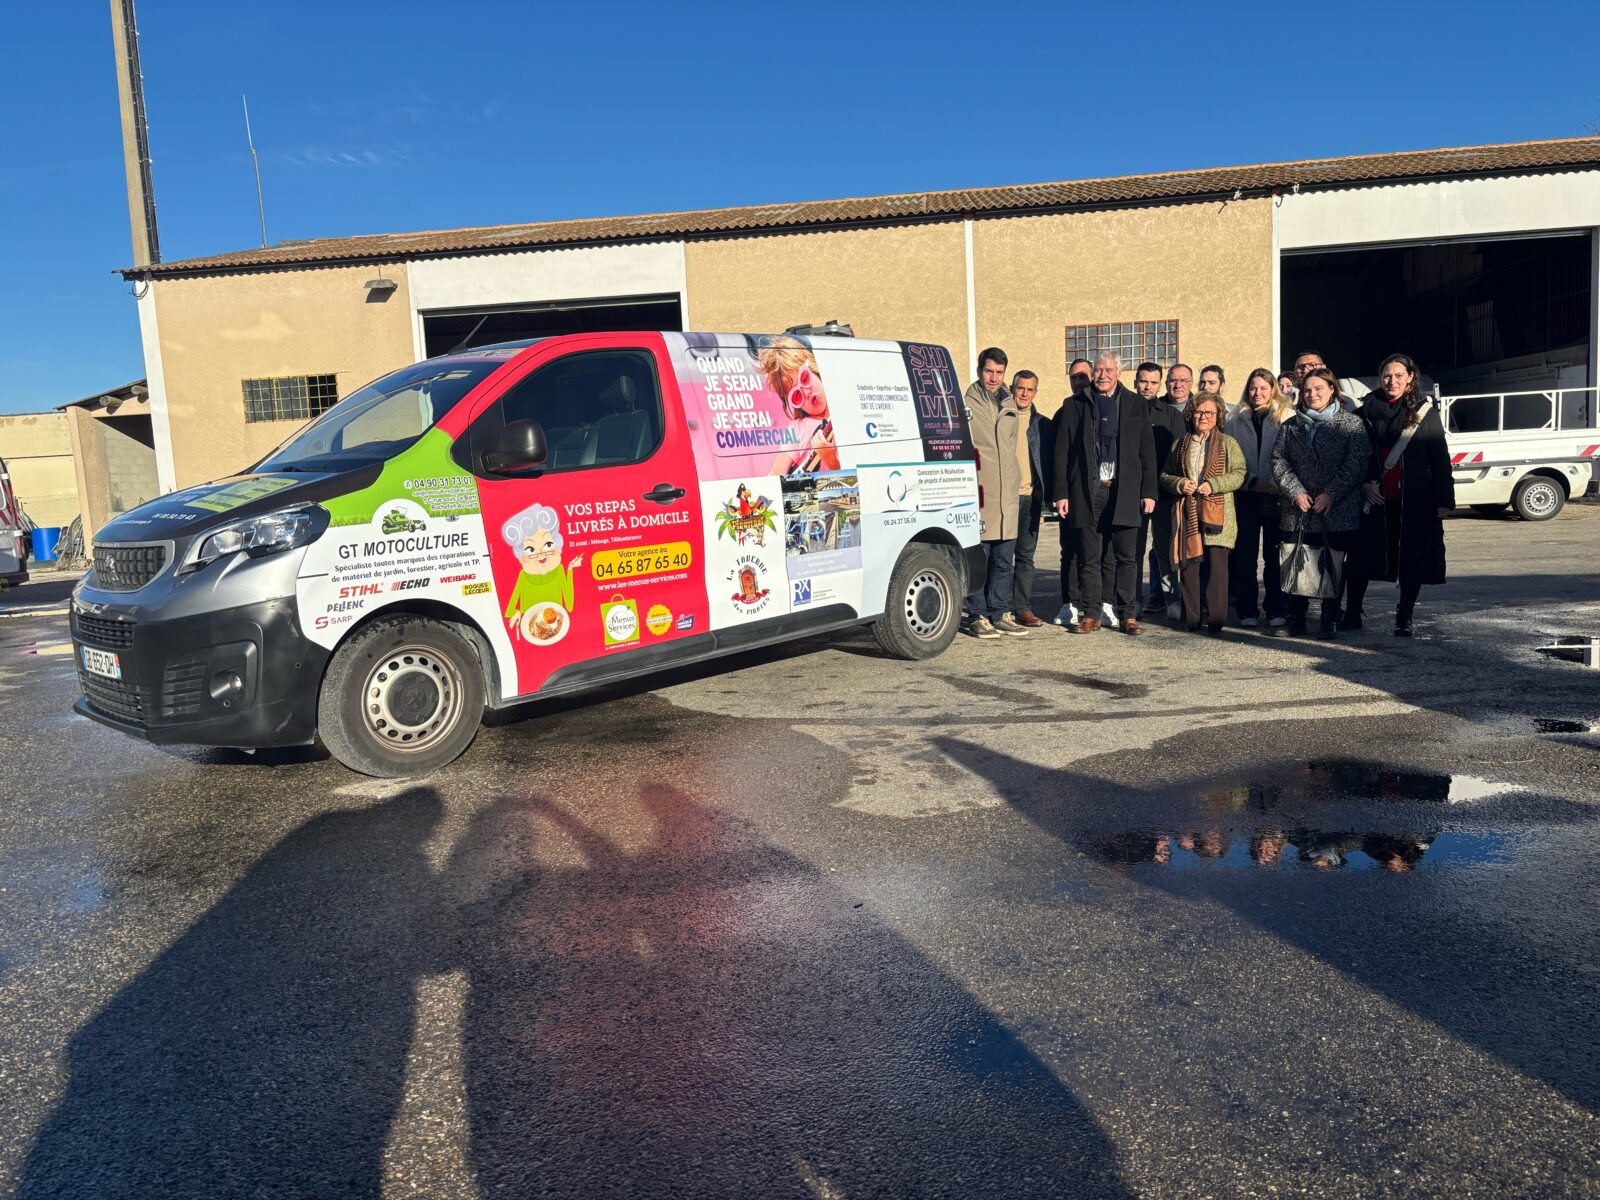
{"x": 258, "y": 536}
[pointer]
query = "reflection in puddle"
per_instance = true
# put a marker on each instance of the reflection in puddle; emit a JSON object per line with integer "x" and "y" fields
{"x": 1316, "y": 849}
{"x": 1557, "y": 725}
{"x": 1331, "y": 815}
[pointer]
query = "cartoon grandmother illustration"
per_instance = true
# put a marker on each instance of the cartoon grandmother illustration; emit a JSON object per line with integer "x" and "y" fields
{"x": 541, "y": 601}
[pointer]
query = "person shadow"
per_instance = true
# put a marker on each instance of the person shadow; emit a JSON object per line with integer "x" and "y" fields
{"x": 709, "y": 1015}
{"x": 262, "y": 1053}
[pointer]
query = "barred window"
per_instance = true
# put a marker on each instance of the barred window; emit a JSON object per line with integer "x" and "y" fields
{"x": 1134, "y": 341}
{"x": 289, "y": 397}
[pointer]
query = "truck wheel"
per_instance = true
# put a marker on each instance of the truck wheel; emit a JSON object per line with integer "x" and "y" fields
{"x": 1489, "y": 510}
{"x": 404, "y": 696}
{"x": 1538, "y": 498}
{"x": 924, "y": 603}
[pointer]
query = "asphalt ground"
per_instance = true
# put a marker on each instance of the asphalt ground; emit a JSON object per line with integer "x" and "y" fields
{"x": 1058, "y": 915}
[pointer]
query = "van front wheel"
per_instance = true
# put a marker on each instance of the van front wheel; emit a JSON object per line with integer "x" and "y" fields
{"x": 924, "y": 603}
{"x": 403, "y": 697}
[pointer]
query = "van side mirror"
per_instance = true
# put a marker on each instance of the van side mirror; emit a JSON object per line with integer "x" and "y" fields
{"x": 521, "y": 445}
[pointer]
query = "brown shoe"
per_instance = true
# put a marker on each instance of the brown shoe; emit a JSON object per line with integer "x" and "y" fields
{"x": 1028, "y": 618}
{"x": 1132, "y": 627}
{"x": 1087, "y": 625}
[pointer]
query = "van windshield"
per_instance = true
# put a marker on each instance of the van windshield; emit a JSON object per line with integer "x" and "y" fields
{"x": 380, "y": 420}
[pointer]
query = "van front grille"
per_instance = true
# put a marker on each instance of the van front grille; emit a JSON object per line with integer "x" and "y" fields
{"x": 115, "y": 633}
{"x": 119, "y": 568}
{"x": 114, "y": 698}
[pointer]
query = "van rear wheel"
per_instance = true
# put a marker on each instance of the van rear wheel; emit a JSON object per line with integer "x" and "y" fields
{"x": 403, "y": 697}
{"x": 924, "y": 603}
{"x": 1538, "y": 498}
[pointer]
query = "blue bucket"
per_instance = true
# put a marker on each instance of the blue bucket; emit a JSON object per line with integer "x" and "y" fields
{"x": 45, "y": 538}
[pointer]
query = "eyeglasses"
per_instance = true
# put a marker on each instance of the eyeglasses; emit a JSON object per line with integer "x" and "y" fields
{"x": 1205, "y": 414}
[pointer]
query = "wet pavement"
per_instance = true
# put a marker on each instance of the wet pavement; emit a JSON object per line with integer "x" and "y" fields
{"x": 1077, "y": 916}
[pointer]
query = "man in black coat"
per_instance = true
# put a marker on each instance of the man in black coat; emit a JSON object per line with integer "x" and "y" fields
{"x": 1166, "y": 428}
{"x": 1105, "y": 484}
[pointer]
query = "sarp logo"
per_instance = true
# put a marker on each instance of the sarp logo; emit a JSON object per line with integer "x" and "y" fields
{"x": 802, "y": 591}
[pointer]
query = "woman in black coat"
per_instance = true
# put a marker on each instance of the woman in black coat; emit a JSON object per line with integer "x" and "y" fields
{"x": 1402, "y": 528}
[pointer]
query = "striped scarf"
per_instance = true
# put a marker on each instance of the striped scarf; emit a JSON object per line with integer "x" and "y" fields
{"x": 1199, "y": 515}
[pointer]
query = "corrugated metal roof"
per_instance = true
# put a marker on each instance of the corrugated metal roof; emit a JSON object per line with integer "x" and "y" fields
{"x": 1262, "y": 179}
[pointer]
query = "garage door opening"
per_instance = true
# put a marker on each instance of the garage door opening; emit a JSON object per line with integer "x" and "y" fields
{"x": 448, "y": 330}
{"x": 1493, "y": 315}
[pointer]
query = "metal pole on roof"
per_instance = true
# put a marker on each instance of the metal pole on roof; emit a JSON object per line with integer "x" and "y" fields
{"x": 135, "y": 135}
{"x": 261, "y": 205}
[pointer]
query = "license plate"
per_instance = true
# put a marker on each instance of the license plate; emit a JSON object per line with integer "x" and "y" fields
{"x": 101, "y": 662}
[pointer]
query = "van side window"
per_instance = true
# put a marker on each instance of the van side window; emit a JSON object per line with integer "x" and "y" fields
{"x": 601, "y": 408}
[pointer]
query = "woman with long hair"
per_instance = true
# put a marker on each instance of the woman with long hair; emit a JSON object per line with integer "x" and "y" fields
{"x": 1254, "y": 563}
{"x": 1204, "y": 470}
{"x": 1408, "y": 490}
{"x": 1318, "y": 465}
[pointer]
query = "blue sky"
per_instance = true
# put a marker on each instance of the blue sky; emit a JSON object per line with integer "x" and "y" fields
{"x": 397, "y": 116}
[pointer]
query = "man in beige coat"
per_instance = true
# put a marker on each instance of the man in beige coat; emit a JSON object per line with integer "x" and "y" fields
{"x": 992, "y": 417}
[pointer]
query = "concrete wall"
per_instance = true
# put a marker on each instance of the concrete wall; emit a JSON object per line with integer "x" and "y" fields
{"x": 1210, "y": 266}
{"x": 216, "y": 332}
{"x": 37, "y": 448}
{"x": 539, "y": 276}
{"x": 907, "y": 283}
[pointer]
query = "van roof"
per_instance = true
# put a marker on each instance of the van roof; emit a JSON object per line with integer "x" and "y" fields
{"x": 512, "y": 348}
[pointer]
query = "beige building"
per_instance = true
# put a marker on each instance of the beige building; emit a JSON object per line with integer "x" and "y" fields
{"x": 37, "y": 449}
{"x": 112, "y": 441}
{"x": 1480, "y": 261}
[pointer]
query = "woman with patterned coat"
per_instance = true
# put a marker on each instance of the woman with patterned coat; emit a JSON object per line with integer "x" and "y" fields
{"x": 1319, "y": 464}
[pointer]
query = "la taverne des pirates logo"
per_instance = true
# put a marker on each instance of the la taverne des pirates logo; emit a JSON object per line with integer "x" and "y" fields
{"x": 750, "y": 594}
{"x": 746, "y": 518}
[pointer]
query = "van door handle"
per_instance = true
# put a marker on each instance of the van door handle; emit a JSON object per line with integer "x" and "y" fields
{"x": 665, "y": 493}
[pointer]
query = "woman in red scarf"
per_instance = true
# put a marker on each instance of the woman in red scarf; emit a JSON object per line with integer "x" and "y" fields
{"x": 1205, "y": 468}
{"x": 1408, "y": 491}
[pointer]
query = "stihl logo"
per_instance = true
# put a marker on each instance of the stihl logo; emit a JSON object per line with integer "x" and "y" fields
{"x": 360, "y": 589}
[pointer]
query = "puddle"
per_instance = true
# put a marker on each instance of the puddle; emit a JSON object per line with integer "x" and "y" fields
{"x": 1585, "y": 650}
{"x": 1334, "y": 815}
{"x": 1311, "y": 849}
{"x": 1560, "y": 725}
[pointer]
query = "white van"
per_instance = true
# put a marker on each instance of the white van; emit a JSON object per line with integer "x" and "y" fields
{"x": 535, "y": 519}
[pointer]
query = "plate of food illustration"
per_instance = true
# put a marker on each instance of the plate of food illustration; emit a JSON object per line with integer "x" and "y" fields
{"x": 545, "y": 624}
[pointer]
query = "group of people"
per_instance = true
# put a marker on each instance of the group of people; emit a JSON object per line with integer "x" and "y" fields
{"x": 1216, "y": 498}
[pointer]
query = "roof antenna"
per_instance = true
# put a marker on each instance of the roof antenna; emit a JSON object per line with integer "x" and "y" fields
{"x": 261, "y": 205}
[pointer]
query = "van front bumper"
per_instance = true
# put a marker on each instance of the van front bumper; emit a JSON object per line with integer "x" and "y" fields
{"x": 242, "y": 676}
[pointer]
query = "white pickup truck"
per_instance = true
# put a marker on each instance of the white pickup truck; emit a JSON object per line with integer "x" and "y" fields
{"x": 1531, "y": 450}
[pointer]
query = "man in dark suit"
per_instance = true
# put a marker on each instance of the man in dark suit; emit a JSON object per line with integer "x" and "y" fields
{"x": 1105, "y": 484}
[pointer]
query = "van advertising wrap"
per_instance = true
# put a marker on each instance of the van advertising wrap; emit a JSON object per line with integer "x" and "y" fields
{"x": 542, "y": 518}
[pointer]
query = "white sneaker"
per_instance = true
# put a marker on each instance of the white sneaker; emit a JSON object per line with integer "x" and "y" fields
{"x": 1277, "y": 622}
{"x": 1108, "y": 617}
{"x": 1068, "y": 616}
{"x": 1250, "y": 622}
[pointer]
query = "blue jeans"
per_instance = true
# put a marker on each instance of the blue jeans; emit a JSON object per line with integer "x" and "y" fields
{"x": 991, "y": 596}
